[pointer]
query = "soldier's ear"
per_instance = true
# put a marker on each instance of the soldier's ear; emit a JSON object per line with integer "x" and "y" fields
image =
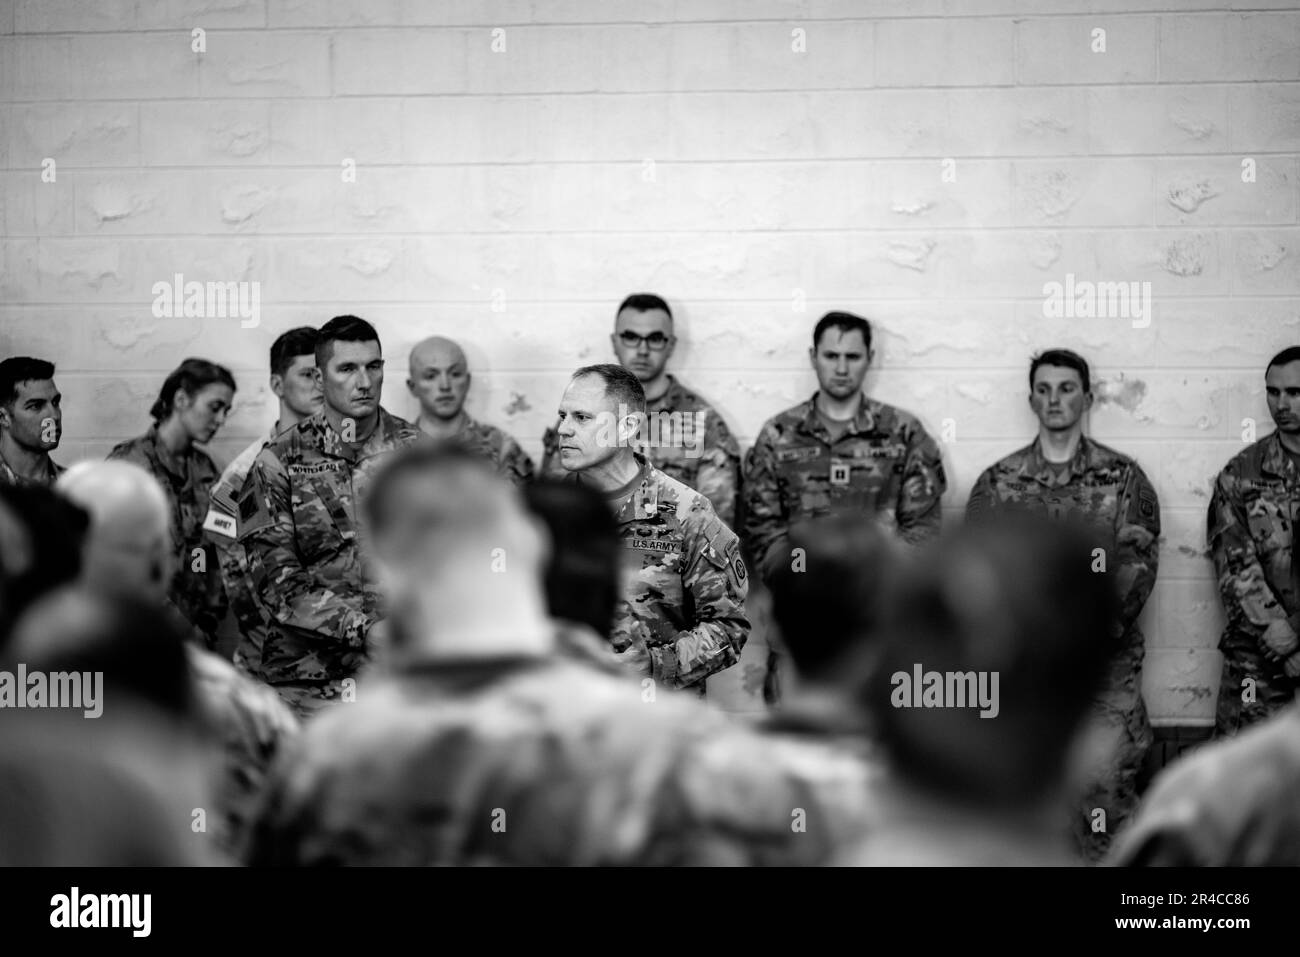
{"x": 1087, "y": 401}
{"x": 277, "y": 385}
{"x": 469, "y": 381}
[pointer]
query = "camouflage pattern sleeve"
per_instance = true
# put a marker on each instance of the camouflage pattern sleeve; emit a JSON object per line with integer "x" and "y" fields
{"x": 289, "y": 591}
{"x": 515, "y": 463}
{"x": 919, "y": 512}
{"x": 983, "y": 495}
{"x": 1137, "y": 542}
{"x": 715, "y": 576}
{"x": 1250, "y": 603}
{"x": 766, "y": 525}
{"x": 718, "y": 479}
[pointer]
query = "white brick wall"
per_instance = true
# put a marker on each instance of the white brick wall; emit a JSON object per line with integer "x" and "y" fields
{"x": 683, "y": 148}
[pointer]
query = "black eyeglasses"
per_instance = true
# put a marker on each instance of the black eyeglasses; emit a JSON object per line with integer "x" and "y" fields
{"x": 656, "y": 340}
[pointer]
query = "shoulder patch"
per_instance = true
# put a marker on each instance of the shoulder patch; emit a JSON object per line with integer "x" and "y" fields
{"x": 253, "y": 513}
{"x": 220, "y": 523}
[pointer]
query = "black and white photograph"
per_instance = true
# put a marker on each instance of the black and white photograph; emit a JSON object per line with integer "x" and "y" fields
{"x": 677, "y": 434}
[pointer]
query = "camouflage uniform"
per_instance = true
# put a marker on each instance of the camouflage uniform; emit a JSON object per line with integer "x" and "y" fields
{"x": 714, "y": 472}
{"x": 885, "y": 464}
{"x": 199, "y": 594}
{"x": 1231, "y": 804}
{"x": 532, "y": 761}
{"x": 681, "y": 616}
{"x": 252, "y": 725}
{"x": 52, "y": 472}
{"x": 298, "y": 527}
{"x": 1111, "y": 494}
{"x": 1251, "y": 520}
{"x": 497, "y": 447}
{"x": 222, "y": 527}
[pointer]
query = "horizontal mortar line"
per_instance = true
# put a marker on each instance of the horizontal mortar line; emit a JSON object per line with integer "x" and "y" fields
{"x": 585, "y": 92}
{"x": 905, "y": 229}
{"x": 792, "y": 21}
{"x": 636, "y": 163}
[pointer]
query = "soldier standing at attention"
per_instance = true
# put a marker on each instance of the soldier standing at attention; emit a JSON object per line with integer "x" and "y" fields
{"x": 841, "y": 452}
{"x": 684, "y": 437}
{"x": 1251, "y": 534}
{"x": 189, "y": 410}
{"x": 440, "y": 381}
{"x": 296, "y": 384}
{"x": 681, "y": 614}
{"x": 298, "y": 522}
{"x": 1066, "y": 476}
{"x": 31, "y": 422}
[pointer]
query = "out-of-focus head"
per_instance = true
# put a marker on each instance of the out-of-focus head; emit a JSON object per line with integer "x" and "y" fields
{"x": 294, "y": 379}
{"x": 440, "y": 378}
{"x": 600, "y": 414}
{"x": 198, "y": 394}
{"x": 643, "y": 337}
{"x": 441, "y": 518}
{"x": 582, "y": 577}
{"x": 1011, "y": 620}
{"x": 1282, "y": 389}
{"x": 829, "y": 594}
{"x": 1060, "y": 389}
{"x": 351, "y": 364}
{"x": 841, "y": 353}
{"x": 41, "y": 537}
{"x": 128, "y": 547}
{"x": 30, "y": 403}
{"x": 133, "y": 643}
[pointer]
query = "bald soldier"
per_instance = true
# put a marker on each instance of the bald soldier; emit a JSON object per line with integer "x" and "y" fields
{"x": 681, "y": 615}
{"x": 440, "y": 381}
{"x": 128, "y": 552}
{"x": 1065, "y": 476}
{"x": 683, "y": 436}
{"x": 841, "y": 452}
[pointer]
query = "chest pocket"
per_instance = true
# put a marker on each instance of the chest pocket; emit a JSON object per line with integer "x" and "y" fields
{"x": 323, "y": 523}
{"x": 1270, "y": 515}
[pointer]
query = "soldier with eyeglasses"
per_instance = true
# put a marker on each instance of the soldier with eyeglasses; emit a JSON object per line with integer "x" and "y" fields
{"x": 684, "y": 437}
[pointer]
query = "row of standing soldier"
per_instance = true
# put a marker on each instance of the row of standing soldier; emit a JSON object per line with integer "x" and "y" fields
{"x": 282, "y": 518}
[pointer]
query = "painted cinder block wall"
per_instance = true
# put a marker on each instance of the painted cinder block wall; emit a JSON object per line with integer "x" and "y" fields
{"x": 521, "y": 166}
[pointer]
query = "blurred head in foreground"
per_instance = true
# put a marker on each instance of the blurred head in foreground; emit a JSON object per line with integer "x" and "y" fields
{"x": 828, "y": 603}
{"x": 128, "y": 548}
{"x": 40, "y": 547}
{"x": 582, "y": 583}
{"x": 460, "y": 559}
{"x": 995, "y": 645}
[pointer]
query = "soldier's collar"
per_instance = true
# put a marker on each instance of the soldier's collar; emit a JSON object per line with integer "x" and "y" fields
{"x": 1035, "y": 466}
{"x": 863, "y": 423}
{"x": 644, "y": 500}
{"x": 165, "y": 457}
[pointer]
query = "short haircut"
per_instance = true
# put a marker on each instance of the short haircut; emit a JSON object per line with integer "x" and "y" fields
{"x": 290, "y": 345}
{"x": 644, "y": 302}
{"x": 424, "y": 460}
{"x": 582, "y": 582}
{"x": 55, "y": 530}
{"x": 1017, "y": 598}
{"x": 846, "y": 322}
{"x": 829, "y": 602}
{"x": 342, "y": 329}
{"x": 190, "y": 376}
{"x": 19, "y": 369}
{"x": 620, "y": 385}
{"x": 1285, "y": 357}
{"x": 1063, "y": 359}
